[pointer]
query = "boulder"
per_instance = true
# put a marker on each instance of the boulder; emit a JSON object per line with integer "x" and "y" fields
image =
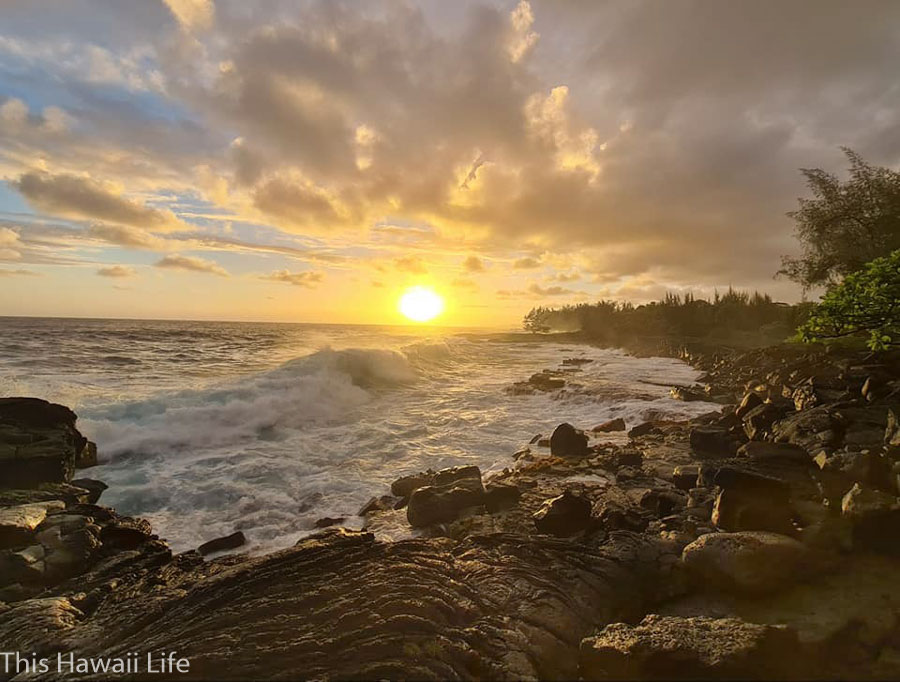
{"x": 811, "y": 429}
{"x": 576, "y": 361}
{"x": 94, "y": 487}
{"x": 610, "y": 426}
{"x": 700, "y": 648}
{"x": 617, "y": 516}
{"x": 629, "y": 458}
{"x": 453, "y": 491}
{"x": 642, "y": 430}
{"x": 567, "y": 441}
{"x": 126, "y": 533}
{"x": 685, "y": 476}
{"x": 38, "y": 442}
{"x": 749, "y": 562}
{"x": 763, "y": 450}
{"x": 713, "y": 441}
{"x": 499, "y": 497}
{"x": 687, "y": 394}
{"x": 87, "y": 457}
{"x": 564, "y": 515}
{"x": 758, "y": 421}
{"x": 662, "y": 503}
{"x": 405, "y": 485}
{"x": 737, "y": 509}
{"x": 378, "y": 504}
{"x": 18, "y": 524}
{"x": 236, "y": 539}
{"x": 892, "y": 430}
{"x": 875, "y": 517}
{"x": 22, "y": 566}
{"x": 748, "y": 402}
{"x": 543, "y": 381}
{"x": 328, "y": 521}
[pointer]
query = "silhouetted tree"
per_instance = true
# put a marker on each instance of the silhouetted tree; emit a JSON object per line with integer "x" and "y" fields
{"x": 845, "y": 224}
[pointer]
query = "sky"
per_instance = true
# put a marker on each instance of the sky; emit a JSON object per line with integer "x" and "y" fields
{"x": 309, "y": 161}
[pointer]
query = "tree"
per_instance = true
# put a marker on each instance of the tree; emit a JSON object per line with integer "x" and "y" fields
{"x": 867, "y": 301}
{"x": 846, "y": 224}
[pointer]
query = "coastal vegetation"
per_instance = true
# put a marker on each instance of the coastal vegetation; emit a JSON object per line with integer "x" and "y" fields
{"x": 849, "y": 232}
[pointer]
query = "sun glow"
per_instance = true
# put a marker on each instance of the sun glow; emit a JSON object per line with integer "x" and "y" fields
{"x": 420, "y": 304}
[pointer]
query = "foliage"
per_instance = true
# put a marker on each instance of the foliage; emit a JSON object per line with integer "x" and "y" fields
{"x": 734, "y": 316}
{"x": 846, "y": 224}
{"x": 866, "y": 302}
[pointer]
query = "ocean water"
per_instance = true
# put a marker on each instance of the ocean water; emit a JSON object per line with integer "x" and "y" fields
{"x": 208, "y": 427}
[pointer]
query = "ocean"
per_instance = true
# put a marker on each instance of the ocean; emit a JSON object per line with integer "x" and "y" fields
{"x": 205, "y": 428}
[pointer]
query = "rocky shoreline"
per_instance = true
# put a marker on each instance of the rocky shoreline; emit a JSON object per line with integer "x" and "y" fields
{"x": 759, "y": 541}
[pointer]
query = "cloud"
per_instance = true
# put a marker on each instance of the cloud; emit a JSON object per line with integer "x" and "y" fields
{"x": 191, "y": 263}
{"x": 124, "y": 235}
{"x": 538, "y": 290}
{"x": 464, "y": 283}
{"x": 192, "y": 14}
{"x": 565, "y": 277}
{"x": 79, "y": 197}
{"x": 308, "y": 279}
{"x": 411, "y": 264}
{"x": 18, "y": 273}
{"x": 10, "y": 244}
{"x": 526, "y": 263}
{"x": 473, "y": 264}
{"x": 117, "y": 271}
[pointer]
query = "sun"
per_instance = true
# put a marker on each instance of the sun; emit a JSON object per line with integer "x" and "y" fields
{"x": 420, "y": 304}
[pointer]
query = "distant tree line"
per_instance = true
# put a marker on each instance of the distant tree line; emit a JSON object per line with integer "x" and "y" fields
{"x": 734, "y": 317}
{"x": 849, "y": 232}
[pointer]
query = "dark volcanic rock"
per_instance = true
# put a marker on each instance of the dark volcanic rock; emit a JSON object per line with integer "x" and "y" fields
{"x": 762, "y": 450}
{"x": 94, "y": 487}
{"x": 405, "y": 485}
{"x": 758, "y": 421}
{"x": 748, "y": 402}
{"x": 327, "y": 521}
{"x": 567, "y": 441}
{"x": 610, "y": 426}
{"x": 500, "y": 497}
{"x": 811, "y": 429}
{"x": 18, "y": 524}
{"x": 685, "y": 476}
{"x": 378, "y": 504}
{"x": 670, "y": 647}
{"x": 642, "y": 430}
{"x": 453, "y": 491}
{"x": 713, "y": 441}
{"x": 687, "y": 394}
{"x": 563, "y": 516}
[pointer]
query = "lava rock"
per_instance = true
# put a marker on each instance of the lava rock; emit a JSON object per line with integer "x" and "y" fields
{"x": 328, "y": 521}
{"x": 405, "y": 485}
{"x": 750, "y": 562}
{"x": 758, "y": 421}
{"x": 94, "y": 487}
{"x": 748, "y": 402}
{"x": 500, "y": 497}
{"x": 642, "y": 430}
{"x": 810, "y": 429}
{"x": 610, "y": 426}
{"x": 378, "y": 504}
{"x": 685, "y": 476}
{"x": 442, "y": 503}
{"x": 18, "y": 524}
{"x": 700, "y": 648}
{"x": 236, "y": 539}
{"x": 567, "y": 441}
{"x": 564, "y": 515}
{"x": 713, "y": 441}
{"x": 763, "y": 450}
{"x": 875, "y": 517}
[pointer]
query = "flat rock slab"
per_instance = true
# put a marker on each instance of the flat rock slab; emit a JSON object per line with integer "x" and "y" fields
{"x": 670, "y": 647}
{"x": 18, "y": 523}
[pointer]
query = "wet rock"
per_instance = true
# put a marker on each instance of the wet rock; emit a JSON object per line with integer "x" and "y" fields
{"x": 737, "y": 509}
{"x": 567, "y": 441}
{"x": 45, "y": 492}
{"x": 642, "y": 430}
{"x": 875, "y": 517}
{"x": 700, "y": 648}
{"x": 563, "y": 516}
{"x": 869, "y": 468}
{"x": 577, "y": 361}
{"x": 763, "y": 451}
{"x": 749, "y": 562}
{"x": 685, "y": 476}
{"x": 378, "y": 504}
{"x": 501, "y": 497}
{"x": 443, "y": 503}
{"x": 72, "y": 554}
{"x": 126, "y": 533}
{"x": 543, "y": 443}
{"x": 233, "y": 541}
{"x": 458, "y": 475}
{"x": 713, "y": 441}
{"x": 610, "y": 426}
{"x": 327, "y": 521}
{"x": 543, "y": 381}
{"x": 748, "y": 402}
{"x": 94, "y": 487}
{"x": 535, "y": 438}
{"x": 687, "y": 394}
{"x": 810, "y": 429}
{"x": 87, "y": 457}
{"x": 38, "y": 442}
{"x": 22, "y": 566}
{"x": 405, "y": 485}
{"x": 18, "y": 524}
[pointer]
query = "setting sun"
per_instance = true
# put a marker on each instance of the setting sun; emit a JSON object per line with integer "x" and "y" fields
{"x": 420, "y": 304}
